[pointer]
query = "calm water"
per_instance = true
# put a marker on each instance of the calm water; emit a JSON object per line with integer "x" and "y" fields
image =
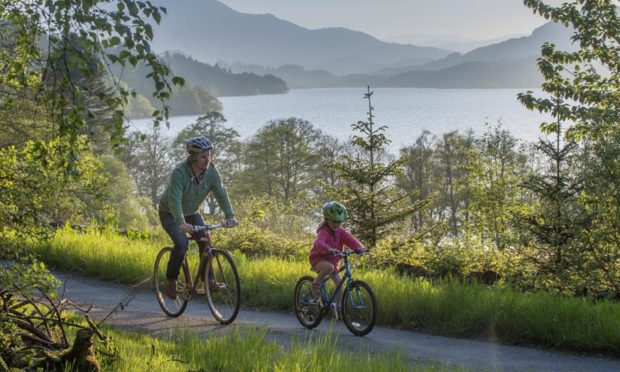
{"x": 405, "y": 111}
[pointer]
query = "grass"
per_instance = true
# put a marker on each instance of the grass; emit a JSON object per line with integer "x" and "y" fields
{"x": 243, "y": 350}
{"x": 448, "y": 307}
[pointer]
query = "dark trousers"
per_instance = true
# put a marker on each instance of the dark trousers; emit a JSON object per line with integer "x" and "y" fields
{"x": 180, "y": 241}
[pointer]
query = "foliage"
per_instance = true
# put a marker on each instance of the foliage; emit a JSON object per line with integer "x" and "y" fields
{"x": 497, "y": 167}
{"x": 123, "y": 208}
{"x": 280, "y": 160}
{"x": 148, "y": 161}
{"x": 374, "y": 204}
{"x": 582, "y": 88}
{"x": 56, "y": 49}
{"x": 27, "y": 202}
{"x": 585, "y": 80}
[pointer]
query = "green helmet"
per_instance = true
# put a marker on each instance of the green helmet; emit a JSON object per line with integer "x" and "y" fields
{"x": 335, "y": 211}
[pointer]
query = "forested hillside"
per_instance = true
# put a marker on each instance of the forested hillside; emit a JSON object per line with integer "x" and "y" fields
{"x": 203, "y": 83}
{"x": 222, "y": 82}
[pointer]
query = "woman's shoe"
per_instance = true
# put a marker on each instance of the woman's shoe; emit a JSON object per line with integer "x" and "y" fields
{"x": 171, "y": 289}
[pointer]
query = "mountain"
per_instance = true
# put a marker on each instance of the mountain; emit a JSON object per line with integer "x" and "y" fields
{"x": 516, "y": 48}
{"x": 510, "y": 73}
{"x": 209, "y": 31}
{"x": 294, "y": 75}
{"x": 221, "y": 82}
{"x": 450, "y": 42}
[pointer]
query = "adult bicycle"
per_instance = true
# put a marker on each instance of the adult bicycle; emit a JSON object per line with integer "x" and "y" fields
{"x": 216, "y": 278}
{"x": 358, "y": 303}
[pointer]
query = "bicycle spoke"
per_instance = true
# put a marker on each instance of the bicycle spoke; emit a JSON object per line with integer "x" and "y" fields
{"x": 172, "y": 307}
{"x": 223, "y": 291}
{"x": 307, "y": 307}
{"x": 359, "y": 308}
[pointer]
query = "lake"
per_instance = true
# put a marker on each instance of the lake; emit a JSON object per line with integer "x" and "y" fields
{"x": 405, "y": 111}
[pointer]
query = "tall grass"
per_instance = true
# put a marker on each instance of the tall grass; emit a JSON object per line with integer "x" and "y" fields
{"x": 244, "y": 351}
{"x": 447, "y": 307}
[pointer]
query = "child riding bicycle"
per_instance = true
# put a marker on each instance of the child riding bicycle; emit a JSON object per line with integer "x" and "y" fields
{"x": 331, "y": 239}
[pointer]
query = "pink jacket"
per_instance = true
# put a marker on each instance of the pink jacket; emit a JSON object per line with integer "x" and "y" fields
{"x": 326, "y": 238}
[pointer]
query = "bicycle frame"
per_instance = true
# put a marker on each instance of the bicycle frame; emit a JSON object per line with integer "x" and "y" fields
{"x": 206, "y": 255}
{"x": 348, "y": 278}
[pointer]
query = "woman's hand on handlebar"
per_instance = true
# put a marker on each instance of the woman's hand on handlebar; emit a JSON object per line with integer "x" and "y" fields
{"x": 231, "y": 222}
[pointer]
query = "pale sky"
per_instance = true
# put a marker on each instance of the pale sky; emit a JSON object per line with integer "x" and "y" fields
{"x": 473, "y": 19}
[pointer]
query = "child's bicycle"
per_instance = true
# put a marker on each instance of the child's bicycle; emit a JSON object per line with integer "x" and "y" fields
{"x": 218, "y": 273}
{"x": 359, "y": 304}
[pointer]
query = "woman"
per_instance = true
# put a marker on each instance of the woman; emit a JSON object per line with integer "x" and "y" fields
{"x": 190, "y": 183}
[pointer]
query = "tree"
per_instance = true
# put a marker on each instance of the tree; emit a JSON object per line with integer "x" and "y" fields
{"x": 451, "y": 156}
{"x": 46, "y": 39}
{"x": 496, "y": 169}
{"x": 281, "y": 159}
{"x": 420, "y": 178}
{"x": 147, "y": 157}
{"x": 582, "y": 91}
{"x": 586, "y": 80}
{"x": 369, "y": 191}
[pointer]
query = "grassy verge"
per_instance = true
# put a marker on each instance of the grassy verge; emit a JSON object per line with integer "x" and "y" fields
{"x": 448, "y": 307}
{"x": 243, "y": 351}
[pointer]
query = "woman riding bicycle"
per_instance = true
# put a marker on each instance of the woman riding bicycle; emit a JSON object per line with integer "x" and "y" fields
{"x": 331, "y": 238}
{"x": 190, "y": 183}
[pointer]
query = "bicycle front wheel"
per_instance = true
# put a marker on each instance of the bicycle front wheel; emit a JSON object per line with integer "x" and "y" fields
{"x": 223, "y": 290}
{"x": 171, "y": 307}
{"x": 307, "y": 307}
{"x": 359, "y": 308}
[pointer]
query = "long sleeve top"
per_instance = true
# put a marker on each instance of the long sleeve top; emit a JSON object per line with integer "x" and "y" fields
{"x": 327, "y": 238}
{"x": 183, "y": 195}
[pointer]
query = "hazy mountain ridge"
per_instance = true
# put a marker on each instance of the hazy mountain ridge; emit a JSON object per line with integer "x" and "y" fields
{"x": 221, "y": 82}
{"x": 307, "y": 59}
{"x": 507, "y": 64}
{"x": 456, "y": 43}
{"x": 211, "y": 31}
{"x": 517, "y": 48}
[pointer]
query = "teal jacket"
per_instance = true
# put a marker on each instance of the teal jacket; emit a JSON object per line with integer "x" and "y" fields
{"x": 183, "y": 195}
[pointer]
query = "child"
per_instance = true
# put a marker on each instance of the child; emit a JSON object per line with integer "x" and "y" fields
{"x": 330, "y": 239}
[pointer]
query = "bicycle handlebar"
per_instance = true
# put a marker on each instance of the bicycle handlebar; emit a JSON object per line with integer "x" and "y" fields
{"x": 348, "y": 252}
{"x": 215, "y": 226}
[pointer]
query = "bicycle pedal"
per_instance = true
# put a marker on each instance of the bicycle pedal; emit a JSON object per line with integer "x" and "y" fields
{"x": 184, "y": 294}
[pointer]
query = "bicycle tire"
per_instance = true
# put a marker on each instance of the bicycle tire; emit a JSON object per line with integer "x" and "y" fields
{"x": 307, "y": 308}
{"x": 171, "y": 307}
{"x": 359, "y": 308}
{"x": 223, "y": 290}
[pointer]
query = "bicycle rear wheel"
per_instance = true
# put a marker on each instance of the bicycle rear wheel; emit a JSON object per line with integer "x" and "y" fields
{"x": 359, "y": 308}
{"x": 223, "y": 290}
{"x": 307, "y": 307}
{"x": 171, "y": 307}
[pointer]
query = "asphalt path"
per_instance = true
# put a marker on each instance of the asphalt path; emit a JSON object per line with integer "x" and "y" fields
{"x": 141, "y": 312}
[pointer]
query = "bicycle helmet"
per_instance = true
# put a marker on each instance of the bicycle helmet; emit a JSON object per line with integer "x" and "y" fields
{"x": 335, "y": 211}
{"x": 194, "y": 145}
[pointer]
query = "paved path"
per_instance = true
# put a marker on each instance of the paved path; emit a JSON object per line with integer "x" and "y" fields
{"x": 143, "y": 314}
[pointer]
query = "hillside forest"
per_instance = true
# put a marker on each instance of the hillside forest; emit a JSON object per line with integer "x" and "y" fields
{"x": 534, "y": 216}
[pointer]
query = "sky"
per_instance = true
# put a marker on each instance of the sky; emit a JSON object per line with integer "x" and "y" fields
{"x": 389, "y": 19}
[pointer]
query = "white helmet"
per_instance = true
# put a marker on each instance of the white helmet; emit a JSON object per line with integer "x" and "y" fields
{"x": 195, "y": 145}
